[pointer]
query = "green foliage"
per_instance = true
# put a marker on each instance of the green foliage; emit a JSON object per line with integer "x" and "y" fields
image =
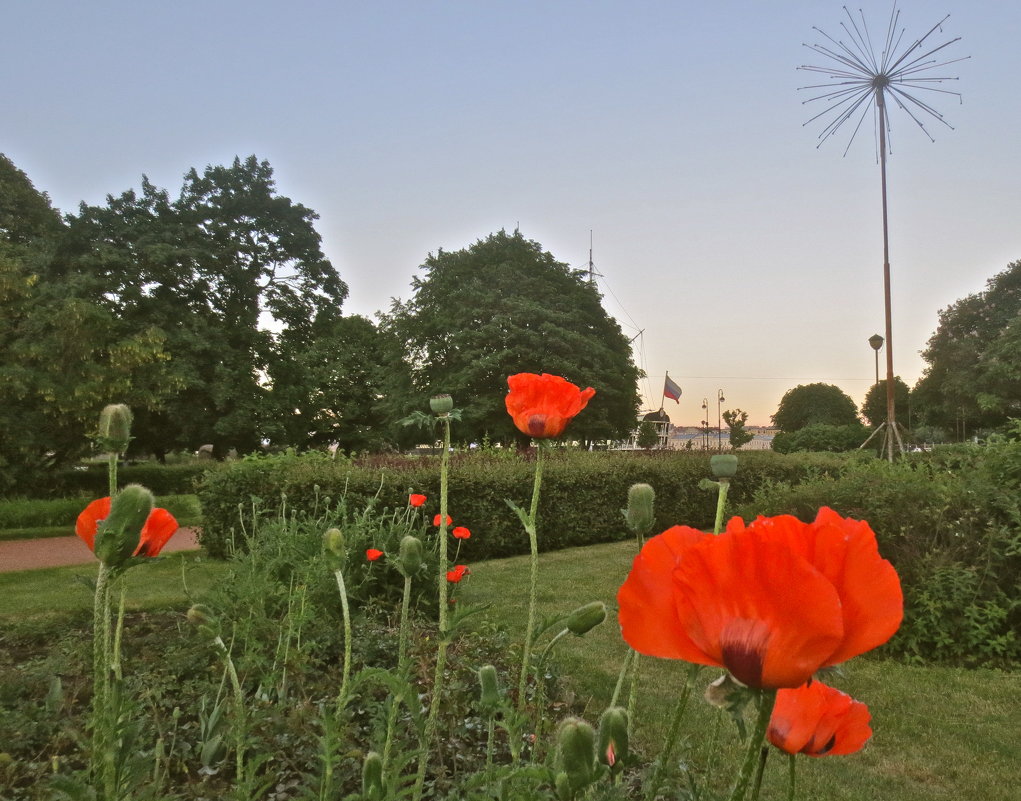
{"x": 821, "y": 437}
{"x": 807, "y": 404}
{"x": 582, "y": 491}
{"x": 736, "y": 419}
{"x": 951, "y": 525}
{"x": 873, "y": 408}
{"x": 647, "y": 436}
{"x": 64, "y": 511}
{"x": 974, "y": 359}
{"x": 505, "y": 306}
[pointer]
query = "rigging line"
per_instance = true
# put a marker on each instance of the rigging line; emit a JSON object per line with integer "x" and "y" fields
{"x": 606, "y": 285}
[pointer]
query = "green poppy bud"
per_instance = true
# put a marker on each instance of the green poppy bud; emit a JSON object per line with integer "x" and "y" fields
{"x": 489, "y": 688}
{"x": 336, "y": 548}
{"x": 576, "y": 743}
{"x": 115, "y": 428}
{"x": 441, "y": 404}
{"x": 202, "y": 616}
{"x": 562, "y": 785}
{"x": 612, "y": 745}
{"x": 723, "y": 465}
{"x": 585, "y": 618}
{"x": 118, "y": 535}
{"x": 640, "y": 517}
{"x": 372, "y": 776}
{"x": 409, "y": 558}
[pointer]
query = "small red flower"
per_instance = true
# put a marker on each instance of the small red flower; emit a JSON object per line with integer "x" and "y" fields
{"x": 772, "y": 602}
{"x": 416, "y": 500}
{"x": 542, "y": 405}
{"x": 373, "y": 554}
{"x": 461, "y": 533}
{"x": 158, "y": 529}
{"x": 818, "y": 720}
{"x": 436, "y": 520}
{"x": 458, "y": 573}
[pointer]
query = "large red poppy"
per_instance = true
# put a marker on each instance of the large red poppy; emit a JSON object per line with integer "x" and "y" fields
{"x": 818, "y": 720}
{"x": 772, "y": 602}
{"x": 158, "y": 529}
{"x": 542, "y": 405}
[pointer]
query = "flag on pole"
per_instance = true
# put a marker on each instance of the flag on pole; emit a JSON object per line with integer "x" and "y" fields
{"x": 671, "y": 390}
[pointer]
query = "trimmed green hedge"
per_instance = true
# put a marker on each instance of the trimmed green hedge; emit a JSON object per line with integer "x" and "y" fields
{"x": 92, "y": 482}
{"x": 37, "y": 513}
{"x": 581, "y": 501}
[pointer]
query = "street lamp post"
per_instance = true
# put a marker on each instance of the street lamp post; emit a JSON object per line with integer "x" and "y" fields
{"x": 876, "y": 342}
{"x": 719, "y": 419}
{"x": 705, "y": 424}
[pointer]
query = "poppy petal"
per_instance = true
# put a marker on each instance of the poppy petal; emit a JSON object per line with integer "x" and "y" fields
{"x": 158, "y": 529}
{"x": 88, "y": 521}
{"x": 648, "y": 610}
{"x": 753, "y": 607}
{"x": 818, "y": 720}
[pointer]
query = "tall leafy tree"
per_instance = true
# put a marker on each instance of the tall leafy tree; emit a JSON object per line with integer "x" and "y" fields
{"x": 229, "y": 272}
{"x": 808, "y": 404}
{"x": 504, "y": 306}
{"x": 974, "y": 358}
{"x": 873, "y": 408}
{"x": 736, "y": 420}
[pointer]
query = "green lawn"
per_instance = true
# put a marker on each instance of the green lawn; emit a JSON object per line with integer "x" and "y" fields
{"x": 939, "y": 733}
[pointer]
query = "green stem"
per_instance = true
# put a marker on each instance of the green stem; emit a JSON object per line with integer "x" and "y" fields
{"x": 764, "y": 702}
{"x": 346, "y": 611}
{"x": 526, "y": 651}
{"x": 239, "y": 711}
{"x": 402, "y": 648}
{"x": 791, "y": 772}
{"x": 759, "y": 770}
{"x": 441, "y": 648}
{"x": 115, "y": 660}
{"x": 100, "y": 678}
{"x": 111, "y": 471}
{"x": 672, "y": 733}
{"x": 620, "y": 676}
{"x": 632, "y": 693}
{"x": 721, "y": 502}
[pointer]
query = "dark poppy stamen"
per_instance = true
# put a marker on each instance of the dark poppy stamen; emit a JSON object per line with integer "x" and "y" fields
{"x": 744, "y": 650}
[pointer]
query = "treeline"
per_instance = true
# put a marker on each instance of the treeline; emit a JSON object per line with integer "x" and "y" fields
{"x": 216, "y": 317}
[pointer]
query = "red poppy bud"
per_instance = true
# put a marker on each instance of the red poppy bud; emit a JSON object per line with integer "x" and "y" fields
{"x": 416, "y": 500}
{"x": 613, "y": 742}
{"x": 372, "y": 554}
{"x": 461, "y": 533}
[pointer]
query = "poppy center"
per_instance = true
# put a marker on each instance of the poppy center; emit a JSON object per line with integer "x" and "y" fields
{"x": 537, "y": 425}
{"x": 743, "y": 644}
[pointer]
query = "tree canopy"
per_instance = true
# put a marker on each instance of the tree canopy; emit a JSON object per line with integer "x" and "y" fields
{"x": 873, "y": 408}
{"x": 974, "y": 358}
{"x": 505, "y": 306}
{"x": 807, "y": 404}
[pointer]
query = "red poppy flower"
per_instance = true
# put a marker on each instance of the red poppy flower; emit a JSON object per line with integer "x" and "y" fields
{"x": 458, "y": 573}
{"x": 461, "y": 533}
{"x": 373, "y": 554}
{"x": 772, "y": 602}
{"x": 817, "y": 720}
{"x": 543, "y": 405}
{"x": 158, "y": 529}
{"x": 416, "y": 500}
{"x": 436, "y": 520}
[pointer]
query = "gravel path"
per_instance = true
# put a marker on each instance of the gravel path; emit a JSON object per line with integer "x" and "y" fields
{"x": 61, "y": 551}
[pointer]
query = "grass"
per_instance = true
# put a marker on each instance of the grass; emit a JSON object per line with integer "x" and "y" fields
{"x": 939, "y": 732}
{"x": 174, "y": 580}
{"x": 26, "y": 519}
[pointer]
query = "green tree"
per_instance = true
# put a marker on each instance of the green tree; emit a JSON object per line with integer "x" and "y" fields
{"x": 647, "y": 436}
{"x": 211, "y": 270}
{"x": 807, "y": 404}
{"x": 505, "y": 306}
{"x": 974, "y": 359}
{"x": 873, "y": 408}
{"x": 63, "y": 353}
{"x": 736, "y": 421}
{"x": 821, "y": 437}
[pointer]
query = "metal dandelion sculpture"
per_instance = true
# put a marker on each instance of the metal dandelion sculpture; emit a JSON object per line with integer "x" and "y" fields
{"x": 862, "y": 81}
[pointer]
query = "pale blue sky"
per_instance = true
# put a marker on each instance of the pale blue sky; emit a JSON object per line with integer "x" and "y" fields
{"x": 751, "y": 259}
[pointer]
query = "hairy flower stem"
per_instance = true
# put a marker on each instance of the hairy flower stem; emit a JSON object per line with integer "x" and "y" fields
{"x": 672, "y": 734}
{"x": 721, "y": 503}
{"x": 759, "y": 770}
{"x": 764, "y": 703}
{"x": 624, "y": 665}
{"x": 402, "y": 651}
{"x": 111, "y": 471}
{"x": 239, "y": 710}
{"x": 441, "y": 647}
{"x": 346, "y": 611}
{"x": 100, "y": 672}
{"x": 533, "y": 542}
{"x": 791, "y": 773}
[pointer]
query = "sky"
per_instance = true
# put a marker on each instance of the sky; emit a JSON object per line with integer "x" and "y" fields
{"x": 742, "y": 255}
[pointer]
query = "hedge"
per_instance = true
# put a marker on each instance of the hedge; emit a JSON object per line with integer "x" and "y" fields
{"x": 45, "y": 513}
{"x": 581, "y": 500}
{"x": 90, "y": 481}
